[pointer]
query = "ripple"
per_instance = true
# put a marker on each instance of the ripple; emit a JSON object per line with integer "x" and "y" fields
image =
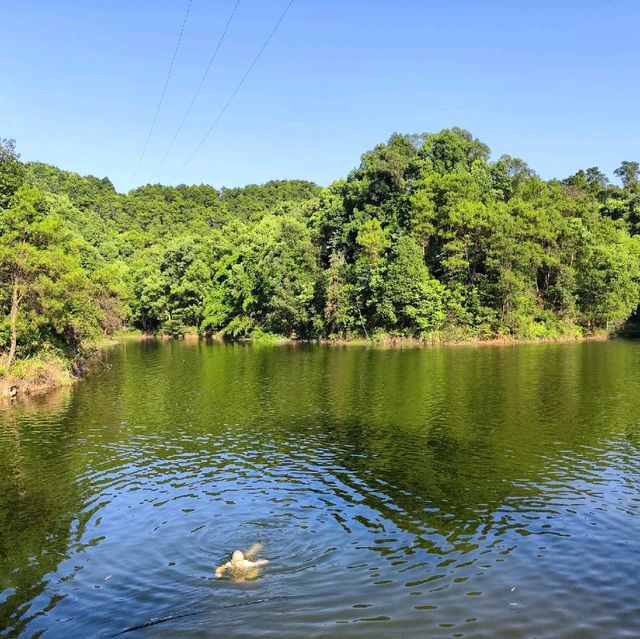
{"x": 396, "y": 494}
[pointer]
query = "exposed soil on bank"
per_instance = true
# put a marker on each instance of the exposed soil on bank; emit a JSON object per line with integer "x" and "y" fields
{"x": 36, "y": 376}
{"x": 45, "y": 372}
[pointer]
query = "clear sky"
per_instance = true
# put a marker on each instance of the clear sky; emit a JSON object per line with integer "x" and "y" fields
{"x": 554, "y": 82}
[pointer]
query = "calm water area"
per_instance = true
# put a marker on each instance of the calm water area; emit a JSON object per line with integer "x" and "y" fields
{"x": 482, "y": 492}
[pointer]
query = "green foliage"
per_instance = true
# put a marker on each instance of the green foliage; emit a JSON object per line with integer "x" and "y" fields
{"x": 373, "y": 239}
{"x": 11, "y": 172}
{"x": 46, "y": 368}
{"x": 253, "y": 201}
{"x": 453, "y": 150}
{"x": 426, "y": 237}
{"x": 46, "y": 289}
{"x": 174, "y": 328}
{"x": 411, "y": 300}
{"x": 629, "y": 174}
{"x": 340, "y": 308}
{"x": 262, "y": 338}
{"x": 266, "y": 277}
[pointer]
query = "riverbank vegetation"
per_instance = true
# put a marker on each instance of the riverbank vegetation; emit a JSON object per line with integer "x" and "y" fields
{"x": 427, "y": 238}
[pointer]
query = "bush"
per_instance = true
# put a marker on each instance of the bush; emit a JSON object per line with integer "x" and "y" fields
{"x": 174, "y": 328}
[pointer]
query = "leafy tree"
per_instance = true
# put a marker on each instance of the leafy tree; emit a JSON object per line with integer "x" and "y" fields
{"x": 629, "y": 173}
{"x": 253, "y": 201}
{"x": 453, "y": 149}
{"x": 412, "y": 301}
{"x": 186, "y": 276}
{"x": 373, "y": 239}
{"x": 48, "y": 290}
{"x": 426, "y": 234}
{"x": 340, "y": 301}
{"x": 508, "y": 175}
{"x": 11, "y": 171}
{"x": 147, "y": 295}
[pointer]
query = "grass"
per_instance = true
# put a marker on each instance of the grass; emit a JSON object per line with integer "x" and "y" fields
{"x": 32, "y": 374}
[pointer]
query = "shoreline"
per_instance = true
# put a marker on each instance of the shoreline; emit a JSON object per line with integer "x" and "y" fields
{"x": 42, "y": 373}
{"x": 46, "y": 372}
{"x": 402, "y": 342}
{"x": 415, "y": 342}
{"x": 36, "y": 376}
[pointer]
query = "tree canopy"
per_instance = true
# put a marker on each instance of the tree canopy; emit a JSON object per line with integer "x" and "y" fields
{"x": 428, "y": 237}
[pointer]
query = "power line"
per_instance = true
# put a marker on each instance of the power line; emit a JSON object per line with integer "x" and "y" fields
{"x": 237, "y": 89}
{"x": 164, "y": 90}
{"x": 197, "y": 91}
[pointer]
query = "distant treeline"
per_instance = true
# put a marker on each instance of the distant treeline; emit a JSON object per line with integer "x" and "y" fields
{"x": 426, "y": 238}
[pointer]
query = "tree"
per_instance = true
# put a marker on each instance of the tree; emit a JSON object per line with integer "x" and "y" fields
{"x": 340, "y": 304}
{"x": 40, "y": 265}
{"x": 426, "y": 233}
{"x": 373, "y": 239}
{"x": 453, "y": 149}
{"x": 412, "y": 300}
{"x": 508, "y": 175}
{"x": 596, "y": 179}
{"x": 629, "y": 173}
{"x": 186, "y": 276}
{"x": 608, "y": 272}
{"x": 11, "y": 171}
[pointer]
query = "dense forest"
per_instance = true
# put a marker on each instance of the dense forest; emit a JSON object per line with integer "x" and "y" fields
{"x": 427, "y": 238}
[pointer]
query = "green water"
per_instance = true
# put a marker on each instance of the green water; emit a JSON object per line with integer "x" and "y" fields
{"x": 485, "y": 492}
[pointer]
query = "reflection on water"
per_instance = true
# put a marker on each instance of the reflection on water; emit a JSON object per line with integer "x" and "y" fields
{"x": 457, "y": 492}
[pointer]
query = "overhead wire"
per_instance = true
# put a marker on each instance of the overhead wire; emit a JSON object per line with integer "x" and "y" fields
{"x": 237, "y": 88}
{"x": 162, "y": 94}
{"x": 198, "y": 89}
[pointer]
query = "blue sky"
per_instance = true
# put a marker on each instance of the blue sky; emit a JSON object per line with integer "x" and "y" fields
{"x": 556, "y": 83}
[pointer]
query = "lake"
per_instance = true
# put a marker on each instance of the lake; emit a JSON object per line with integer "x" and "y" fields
{"x": 480, "y": 492}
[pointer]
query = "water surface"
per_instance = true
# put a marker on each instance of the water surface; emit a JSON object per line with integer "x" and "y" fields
{"x": 488, "y": 492}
